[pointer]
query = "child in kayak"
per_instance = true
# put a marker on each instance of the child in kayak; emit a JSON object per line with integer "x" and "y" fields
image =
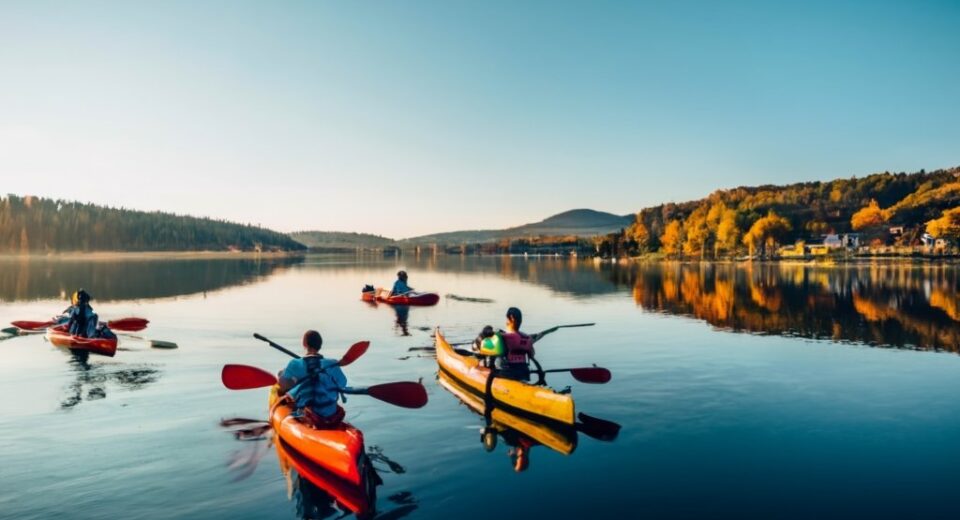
{"x": 314, "y": 384}
{"x": 400, "y": 286}
{"x": 509, "y": 351}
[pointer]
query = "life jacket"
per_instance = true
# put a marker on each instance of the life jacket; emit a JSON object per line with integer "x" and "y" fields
{"x": 519, "y": 347}
{"x": 315, "y": 390}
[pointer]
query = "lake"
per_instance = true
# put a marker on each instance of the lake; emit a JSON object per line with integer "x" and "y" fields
{"x": 770, "y": 391}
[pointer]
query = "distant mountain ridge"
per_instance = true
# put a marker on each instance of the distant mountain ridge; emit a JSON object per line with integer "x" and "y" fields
{"x": 575, "y": 222}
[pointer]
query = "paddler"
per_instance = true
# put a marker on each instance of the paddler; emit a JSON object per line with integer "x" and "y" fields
{"x": 314, "y": 383}
{"x": 82, "y": 321}
{"x": 400, "y": 287}
{"x": 509, "y": 351}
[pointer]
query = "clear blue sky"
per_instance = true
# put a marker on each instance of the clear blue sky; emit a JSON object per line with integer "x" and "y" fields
{"x": 404, "y": 118}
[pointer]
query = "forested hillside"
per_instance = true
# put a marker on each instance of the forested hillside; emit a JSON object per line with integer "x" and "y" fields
{"x": 37, "y": 225}
{"x": 755, "y": 219}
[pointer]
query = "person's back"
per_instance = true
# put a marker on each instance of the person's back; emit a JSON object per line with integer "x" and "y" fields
{"x": 400, "y": 286}
{"x": 318, "y": 383}
{"x": 314, "y": 384}
{"x": 82, "y": 321}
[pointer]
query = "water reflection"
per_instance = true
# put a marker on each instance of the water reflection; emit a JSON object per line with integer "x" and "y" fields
{"x": 108, "y": 280}
{"x": 91, "y": 380}
{"x": 402, "y": 313}
{"x": 881, "y": 305}
{"x": 518, "y": 432}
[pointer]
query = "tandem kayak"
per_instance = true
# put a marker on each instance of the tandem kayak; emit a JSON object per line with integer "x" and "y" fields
{"x": 561, "y": 438}
{"x": 61, "y": 338}
{"x": 338, "y": 450}
{"x": 540, "y": 401}
{"x": 410, "y": 298}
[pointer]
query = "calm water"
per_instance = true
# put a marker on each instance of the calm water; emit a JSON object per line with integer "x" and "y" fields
{"x": 747, "y": 392}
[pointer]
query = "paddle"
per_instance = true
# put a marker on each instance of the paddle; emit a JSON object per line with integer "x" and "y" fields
{"x": 124, "y": 324}
{"x": 353, "y": 353}
{"x": 405, "y": 393}
{"x": 537, "y": 336}
{"x": 593, "y": 375}
{"x": 597, "y": 428}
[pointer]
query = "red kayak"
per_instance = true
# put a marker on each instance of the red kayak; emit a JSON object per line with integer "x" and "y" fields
{"x": 338, "y": 450}
{"x": 61, "y": 338}
{"x": 410, "y": 298}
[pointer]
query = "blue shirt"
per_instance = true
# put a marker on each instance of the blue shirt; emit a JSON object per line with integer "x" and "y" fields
{"x": 320, "y": 393}
{"x": 400, "y": 287}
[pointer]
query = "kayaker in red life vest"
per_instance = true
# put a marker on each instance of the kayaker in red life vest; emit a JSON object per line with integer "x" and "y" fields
{"x": 314, "y": 384}
{"x": 400, "y": 287}
{"x": 509, "y": 351}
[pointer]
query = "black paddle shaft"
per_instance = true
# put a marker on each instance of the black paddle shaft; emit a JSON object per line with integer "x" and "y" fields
{"x": 274, "y": 345}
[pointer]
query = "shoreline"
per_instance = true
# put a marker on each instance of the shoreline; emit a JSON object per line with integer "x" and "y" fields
{"x": 150, "y": 255}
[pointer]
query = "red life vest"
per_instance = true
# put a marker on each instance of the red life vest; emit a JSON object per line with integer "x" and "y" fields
{"x": 519, "y": 347}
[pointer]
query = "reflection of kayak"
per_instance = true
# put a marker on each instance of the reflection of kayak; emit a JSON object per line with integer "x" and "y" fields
{"x": 532, "y": 399}
{"x": 359, "y": 499}
{"x": 338, "y": 450}
{"x": 558, "y": 437}
{"x": 61, "y": 338}
{"x": 410, "y": 298}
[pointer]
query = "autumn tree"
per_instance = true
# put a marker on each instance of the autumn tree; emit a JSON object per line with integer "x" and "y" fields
{"x": 640, "y": 234}
{"x": 672, "y": 238}
{"x": 728, "y": 233}
{"x": 870, "y": 216}
{"x": 766, "y": 232}
{"x": 947, "y": 226}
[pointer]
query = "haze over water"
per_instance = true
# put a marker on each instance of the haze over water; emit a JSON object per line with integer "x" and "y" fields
{"x": 741, "y": 391}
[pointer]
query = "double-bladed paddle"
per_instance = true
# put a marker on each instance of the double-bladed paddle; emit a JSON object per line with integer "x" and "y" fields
{"x": 404, "y": 393}
{"x": 124, "y": 324}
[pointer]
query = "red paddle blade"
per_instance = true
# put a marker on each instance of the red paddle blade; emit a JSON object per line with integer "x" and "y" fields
{"x": 243, "y": 377}
{"x": 405, "y": 393}
{"x": 32, "y": 325}
{"x": 355, "y": 351}
{"x": 595, "y": 375}
{"x": 129, "y": 324}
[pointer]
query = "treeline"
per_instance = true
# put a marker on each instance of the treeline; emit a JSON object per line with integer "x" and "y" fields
{"x": 38, "y": 225}
{"x": 755, "y": 220}
{"x": 548, "y": 245}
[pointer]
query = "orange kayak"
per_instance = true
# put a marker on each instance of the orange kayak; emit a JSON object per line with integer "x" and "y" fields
{"x": 338, "y": 450}
{"x": 359, "y": 499}
{"x": 410, "y": 298}
{"x": 60, "y": 337}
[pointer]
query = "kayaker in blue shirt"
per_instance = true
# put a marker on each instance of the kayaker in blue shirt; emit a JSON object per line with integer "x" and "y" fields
{"x": 314, "y": 384}
{"x": 400, "y": 286}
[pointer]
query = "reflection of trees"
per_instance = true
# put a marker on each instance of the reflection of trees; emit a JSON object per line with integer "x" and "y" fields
{"x": 888, "y": 305}
{"x": 107, "y": 280}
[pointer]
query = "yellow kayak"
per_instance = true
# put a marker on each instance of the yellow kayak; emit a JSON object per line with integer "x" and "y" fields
{"x": 559, "y": 438}
{"x": 540, "y": 401}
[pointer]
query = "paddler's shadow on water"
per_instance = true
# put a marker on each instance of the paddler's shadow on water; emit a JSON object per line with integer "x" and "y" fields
{"x": 92, "y": 380}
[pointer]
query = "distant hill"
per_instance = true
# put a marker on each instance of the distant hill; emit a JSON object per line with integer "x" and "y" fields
{"x": 577, "y": 222}
{"x": 337, "y": 240}
{"x": 37, "y": 225}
